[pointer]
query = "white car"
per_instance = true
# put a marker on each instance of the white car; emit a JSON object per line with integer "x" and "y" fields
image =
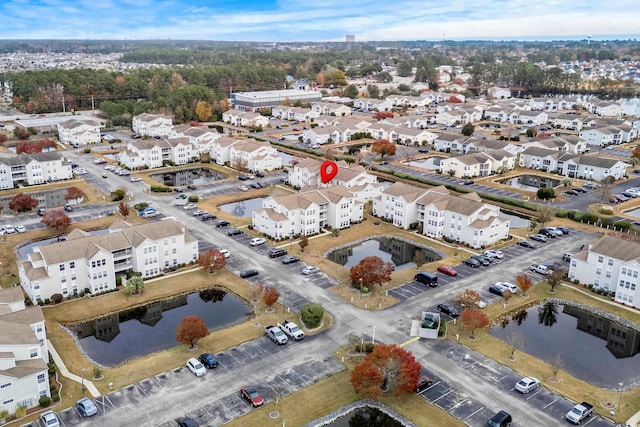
{"x": 527, "y": 384}
{"x": 109, "y": 167}
{"x": 135, "y": 179}
{"x": 481, "y": 304}
{"x": 494, "y": 253}
{"x": 257, "y": 241}
{"x": 225, "y": 252}
{"x": 506, "y": 285}
{"x": 310, "y": 270}
{"x": 189, "y": 206}
{"x": 196, "y": 367}
{"x": 49, "y": 419}
{"x": 244, "y": 188}
{"x": 9, "y": 229}
{"x": 80, "y": 171}
{"x": 20, "y": 229}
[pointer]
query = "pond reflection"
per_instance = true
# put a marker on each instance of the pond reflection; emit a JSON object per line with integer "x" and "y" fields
{"x": 184, "y": 177}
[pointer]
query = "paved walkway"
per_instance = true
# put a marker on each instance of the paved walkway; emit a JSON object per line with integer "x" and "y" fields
{"x": 62, "y": 368}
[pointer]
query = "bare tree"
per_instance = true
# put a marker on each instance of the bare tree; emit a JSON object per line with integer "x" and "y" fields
{"x": 515, "y": 340}
{"x": 556, "y": 363}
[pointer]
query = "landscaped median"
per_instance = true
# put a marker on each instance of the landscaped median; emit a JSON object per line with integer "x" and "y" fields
{"x": 571, "y": 387}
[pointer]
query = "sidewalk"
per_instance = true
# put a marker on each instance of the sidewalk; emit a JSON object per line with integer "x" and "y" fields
{"x": 73, "y": 377}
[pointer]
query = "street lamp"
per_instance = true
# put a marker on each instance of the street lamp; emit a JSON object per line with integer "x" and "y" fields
{"x": 82, "y": 381}
{"x": 373, "y": 335}
{"x": 620, "y": 385}
{"x": 361, "y": 288}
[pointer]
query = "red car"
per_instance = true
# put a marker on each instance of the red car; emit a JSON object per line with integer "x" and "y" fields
{"x": 447, "y": 270}
{"x": 252, "y": 396}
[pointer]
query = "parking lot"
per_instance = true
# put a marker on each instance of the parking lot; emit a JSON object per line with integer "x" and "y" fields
{"x": 214, "y": 398}
{"x": 475, "y": 413}
{"x": 413, "y": 289}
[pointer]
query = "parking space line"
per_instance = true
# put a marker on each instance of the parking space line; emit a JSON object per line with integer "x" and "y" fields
{"x": 549, "y": 404}
{"x": 473, "y": 413}
{"x": 533, "y": 395}
{"x": 434, "y": 401}
{"x": 590, "y": 419}
{"x": 457, "y": 404}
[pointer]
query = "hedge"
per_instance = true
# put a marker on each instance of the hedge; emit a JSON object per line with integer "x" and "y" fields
{"x": 160, "y": 189}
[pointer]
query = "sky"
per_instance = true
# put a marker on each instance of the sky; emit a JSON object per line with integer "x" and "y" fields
{"x": 320, "y": 20}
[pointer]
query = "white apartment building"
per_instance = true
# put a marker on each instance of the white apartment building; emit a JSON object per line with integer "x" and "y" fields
{"x": 331, "y": 109}
{"x": 153, "y": 125}
{"x": 32, "y": 169}
{"x": 86, "y": 261}
{"x": 256, "y": 156}
{"x": 440, "y": 214}
{"x": 307, "y": 212}
{"x": 154, "y": 153}
{"x": 201, "y": 137}
{"x": 478, "y": 163}
{"x": 79, "y": 131}
{"x": 610, "y": 264}
{"x": 23, "y": 352}
{"x": 307, "y": 173}
{"x": 245, "y": 118}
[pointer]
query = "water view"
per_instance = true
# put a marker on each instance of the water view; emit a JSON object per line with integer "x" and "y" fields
{"x": 530, "y": 182}
{"x": 243, "y": 208}
{"x": 399, "y": 252}
{"x": 634, "y": 212}
{"x": 592, "y": 348}
{"x": 184, "y": 177}
{"x": 515, "y": 221}
{"x": 115, "y": 338}
{"x": 365, "y": 417}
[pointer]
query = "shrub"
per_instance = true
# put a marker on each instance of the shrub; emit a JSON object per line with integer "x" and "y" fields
{"x": 118, "y": 280}
{"x": 87, "y": 150}
{"x": 44, "y": 401}
{"x": 118, "y": 195}
{"x": 56, "y": 298}
{"x": 622, "y": 225}
{"x": 193, "y": 199}
{"x": 590, "y": 217}
{"x": 561, "y": 213}
{"x": 52, "y": 368}
{"x": 312, "y": 314}
{"x": 160, "y": 189}
{"x": 576, "y": 281}
{"x": 55, "y": 395}
{"x": 366, "y": 348}
{"x": 546, "y": 193}
{"x": 46, "y": 301}
{"x": 140, "y": 206}
{"x": 604, "y": 210}
{"x": 97, "y": 372}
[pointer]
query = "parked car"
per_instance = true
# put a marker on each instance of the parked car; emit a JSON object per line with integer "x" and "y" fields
{"x": 290, "y": 259}
{"x": 225, "y": 252}
{"x": 196, "y": 367}
{"x": 445, "y": 269}
{"x": 565, "y": 230}
{"x": 621, "y": 197}
{"x": 483, "y": 260}
{"x": 207, "y": 217}
{"x": 426, "y": 278}
{"x": 260, "y": 174}
{"x": 20, "y": 229}
{"x": 135, "y": 179}
{"x": 187, "y": 422}
{"x": 251, "y": 395}
{"x": 539, "y": 238}
{"x": 571, "y": 193}
{"x": 580, "y": 190}
{"x": 494, "y": 253}
{"x": 249, "y": 273}
{"x": 424, "y": 382}
{"x": 545, "y": 231}
{"x": 566, "y": 256}
{"x": 192, "y": 187}
{"x": 467, "y": 182}
{"x": 509, "y": 286}
{"x": 178, "y": 189}
{"x": 49, "y": 419}
{"x": 243, "y": 188}
{"x": 9, "y": 229}
{"x": 189, "y": 206}
{"x": 449, "y": 310}
{"x": 86, "y": 407}
{"x": 527, "y": 244}
{"x": 471, "y": 262}
{"x": 423, "y": 150}
{"x": 501, "y": 419}
{"x": 234, "y": 232}
{"x": 310, "y": 270}
{"x": 209, "y": 361}
{"x": 243, "y": 178}
{"x": 199, "y": 212}
{"x": 527, "y": 384}
{"x": 276, "y": 252}
{"x": 257, "y": 241}
{"x": 497, "y": 290}
{"x": 221, "y": 223}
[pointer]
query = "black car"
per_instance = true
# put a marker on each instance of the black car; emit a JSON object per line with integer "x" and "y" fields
{"x": 547, "y": 232}
{"x": 580, "y": 190}
{"x": 68, "y": 208}
{"x": 243, "y": 178}
{"x": 276, "y": 252}
{"x": 187, "y": 422}
{"x": 290, "y": 259}
{"x": 423, "y": 383}
{"x": 207, "y": 217}
{"x": 467, "y": 182}
{"x": 526, "y": 244}
{"x": 192, "y": 187}
{"x": 571, "y": 193}
{"x": 255, "y": 185}
{"x": 471, "y": 262}
{"x": 221, "y": 223}
{"x": 233, "y": 232}
{"x": 483, "y": 260}
{"x": 423, "y": 150}
{"x": 209, "y": 361}
{"x": 259, "y": 174}
{"x": 565, "y": 230}
{"x": 249, "y": 273}
{"x": 449, "y": 310}
{"x": 636, "y": 171}
{"x": 497, "y": 290}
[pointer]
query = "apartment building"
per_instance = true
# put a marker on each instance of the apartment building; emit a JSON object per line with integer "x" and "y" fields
{"x": 153, "y": 125}
{"x": 23, "y": 352}
{"x": 79, "y": 131}
{"x": 91, "y": 261}
{"x": 32, "y": 169}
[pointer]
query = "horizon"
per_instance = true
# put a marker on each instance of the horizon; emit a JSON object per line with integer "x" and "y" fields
{"x": 276, "y": 21}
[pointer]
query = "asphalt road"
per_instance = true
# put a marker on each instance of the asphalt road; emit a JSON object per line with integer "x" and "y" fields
{"x": 480, "y": 386}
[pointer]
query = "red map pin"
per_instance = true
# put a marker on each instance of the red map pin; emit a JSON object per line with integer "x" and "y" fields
{"x": 328, "y": 171}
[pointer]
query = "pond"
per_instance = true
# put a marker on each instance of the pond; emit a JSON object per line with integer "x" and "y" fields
{"x": 634, "y": 212}
{"x": 398, "y": 252}
{"x": 115, "y": 338}
{"x": 430, "y": 163}
{"x": 515, "y": 221}
{"x": 531, "y": 182}
{"x": 244, "y": 208}
{"x": 25, "y": 250}
{"x": 365, "y": 417}
{"x": 184, "y": 177}
{"x": 591, "y": 348}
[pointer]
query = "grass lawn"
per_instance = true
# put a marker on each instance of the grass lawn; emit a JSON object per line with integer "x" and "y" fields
{"x": 567, "y": 385}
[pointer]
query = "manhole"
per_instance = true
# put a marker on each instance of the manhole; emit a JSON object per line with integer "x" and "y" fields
{"x": 274, "y": 415}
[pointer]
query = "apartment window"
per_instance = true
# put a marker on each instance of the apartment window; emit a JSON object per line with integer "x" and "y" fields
{"x": 5, "y": 385}
{"x": 6, "y": 402}
{"x": 610, "y": 262}
{"x": 624, "y": 271}
{"x": 72, "y": 264}
{"x": 600, "y": 259}
{"x": 61, "y": 267}
{"x": 41, "y": 378}
{"x": 598, "y": 271}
